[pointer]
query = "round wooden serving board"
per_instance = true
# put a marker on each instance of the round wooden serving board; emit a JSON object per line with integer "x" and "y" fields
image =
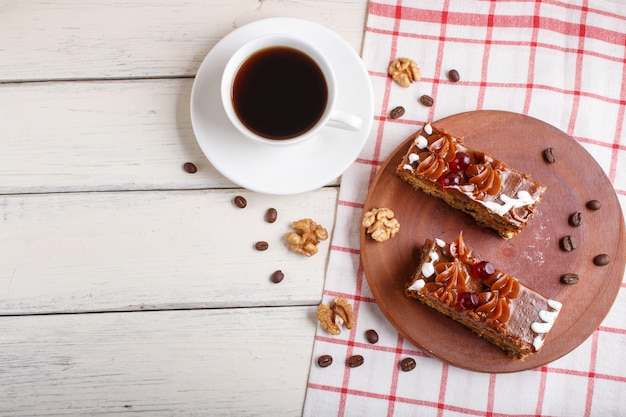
{"x": 534, "y": 256}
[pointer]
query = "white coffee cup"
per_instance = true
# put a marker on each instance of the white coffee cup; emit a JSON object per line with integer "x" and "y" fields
{"x": 257, "y": 118}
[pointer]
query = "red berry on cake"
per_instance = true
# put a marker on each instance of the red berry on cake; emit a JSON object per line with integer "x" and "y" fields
{"x": 460, "y": 162}
{"x": 468, "y": 300}
{"x": 483, "y": 270}
{"x": 450, "y": 179}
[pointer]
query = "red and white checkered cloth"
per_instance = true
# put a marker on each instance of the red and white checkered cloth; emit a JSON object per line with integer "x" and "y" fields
{"x": 563, "y": 62}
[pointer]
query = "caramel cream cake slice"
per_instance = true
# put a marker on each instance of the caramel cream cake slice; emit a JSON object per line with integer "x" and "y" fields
{"x": 492, "y": 303}
{"x": 496, "y": 195}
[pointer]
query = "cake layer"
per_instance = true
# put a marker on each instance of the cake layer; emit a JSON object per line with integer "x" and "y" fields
{"x": 492, "y": 303}
{"x": 496, "y": 195}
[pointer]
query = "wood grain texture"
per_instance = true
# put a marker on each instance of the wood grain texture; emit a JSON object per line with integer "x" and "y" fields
{"x": 71, "y": 39}
{"x": 159, "y": 363}
{"x": 155, "y": 250}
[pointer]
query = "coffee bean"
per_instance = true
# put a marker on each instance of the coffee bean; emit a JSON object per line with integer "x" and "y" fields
{"x": 261, "y": 246}
{"x": 277, "y": 276}
{"x": 325, "y": 361}
{"x": 407, "y": 364}
{"x": 569, "y": 279}
{"x": 371, "y": 336}
{"x": 568, "y": 244}
{"x": 427, "y": 100}
{"x": 356, "y": 360}
{"x": 271, "y": 215}
{"x": 549, "y": 155}
{"x": 575, "y": 219}
{"x": 602, "y": 259}
{"x": 190, "y": 167}
{"x": 453, "y": 75}
{"x": 397, "y": 112}
{"x": 593, "y": 205}
{"x": 240, "y": 201}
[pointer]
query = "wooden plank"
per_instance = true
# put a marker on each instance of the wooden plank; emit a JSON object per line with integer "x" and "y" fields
{"x": 159, "y": 363}
{"x": 73, "y": 39}
{"x": 100, "y": 136}
{"x": 119, "y": 251}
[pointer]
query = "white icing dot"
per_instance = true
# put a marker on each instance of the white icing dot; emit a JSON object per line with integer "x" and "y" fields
{"x": 538, "y": 342}
{"x": 548, "y": 316}
{"x": 555, "y": 305}
{"x": 541, "y": 327}
{"x": 413, "y": 157}
{"x": 421, "y": 142}
{"x": 427, "y": 269}
{"x": 547, "y": 319}
{"x": 440, "y": 243}
{"x": 428, "y": 129}
{"x": 417, "y": 285}
{"x": 408, "y": 167}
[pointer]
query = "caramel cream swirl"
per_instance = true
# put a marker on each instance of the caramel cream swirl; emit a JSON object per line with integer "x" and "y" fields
{"x": 460, "y": 250}
{"x": 439, "y": 291}
{"x": 444, "y": 147}
{"x": 494, "y": 307}
{"x": 494, "y": 303}
{"x": 451, "y": 280}
{"x": 486, "y": 178}
{"x": 432, "y": 167}
{"x": 452, "y": 275}
{"x": 504, "y": 284}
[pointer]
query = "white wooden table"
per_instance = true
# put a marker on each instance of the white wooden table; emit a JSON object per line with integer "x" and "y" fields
{"x": 128, "y": 285}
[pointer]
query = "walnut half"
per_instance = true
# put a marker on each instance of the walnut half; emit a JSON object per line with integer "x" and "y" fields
{"x": 306, "y": 237}
{"x": 332, "y": 318}
{"x": 327, "y": 319}
{"x": 380, "y": 224}
{"x": 404, "y": 71}
{"x": 343, "y": 310}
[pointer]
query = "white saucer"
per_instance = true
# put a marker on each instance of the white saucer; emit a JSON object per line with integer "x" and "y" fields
{"x": 291, "y": 169}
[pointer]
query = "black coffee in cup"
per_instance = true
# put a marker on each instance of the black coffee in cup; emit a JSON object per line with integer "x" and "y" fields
{"x": 279, "y": 93}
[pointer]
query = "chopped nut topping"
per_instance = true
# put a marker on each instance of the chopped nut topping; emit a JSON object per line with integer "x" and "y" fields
{"x": 381, "y": 224}
{"x": 310, "y": 234}
{"x": 341, "y": 314}
{"x": 404, "y": 71}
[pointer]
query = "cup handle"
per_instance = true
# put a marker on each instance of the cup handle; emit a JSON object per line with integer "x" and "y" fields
{"x": 342, "y": 120}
